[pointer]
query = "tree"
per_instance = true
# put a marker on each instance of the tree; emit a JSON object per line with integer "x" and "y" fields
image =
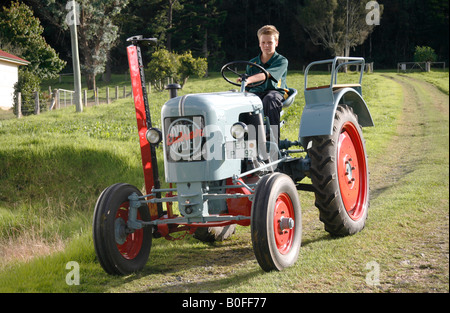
{"x": 21, "y": 30}
{"x": 97, "y": 33}
{"x": 171, "y": 6}
{"x": 338, "y": 25}
{"x": 198, "y": 26}
{"x": 21, "y": 33}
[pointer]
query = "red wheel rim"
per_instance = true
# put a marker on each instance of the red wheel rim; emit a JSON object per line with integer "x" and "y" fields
{"x": 352, "y": 171}
{"x": 128, "y": 245}
{"x": 283, "y": 216}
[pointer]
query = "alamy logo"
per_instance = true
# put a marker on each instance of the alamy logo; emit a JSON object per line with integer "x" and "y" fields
{"x": 73, "y": 17}
{"x": 373, "y": 276}
{"x": 373, "y": 17}
{"x": 73, "y": 277}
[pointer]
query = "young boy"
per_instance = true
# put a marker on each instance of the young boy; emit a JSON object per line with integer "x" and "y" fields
{"x": 272, "y": 92}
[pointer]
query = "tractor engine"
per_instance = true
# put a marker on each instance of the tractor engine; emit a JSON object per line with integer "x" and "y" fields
{"x": 200, "y": 141}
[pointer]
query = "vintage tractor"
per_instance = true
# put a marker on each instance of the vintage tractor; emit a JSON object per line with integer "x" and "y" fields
{"x": 228, "y": 167}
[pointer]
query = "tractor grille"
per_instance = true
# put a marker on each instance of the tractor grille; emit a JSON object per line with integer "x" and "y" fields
{"x": 184, "y": 138}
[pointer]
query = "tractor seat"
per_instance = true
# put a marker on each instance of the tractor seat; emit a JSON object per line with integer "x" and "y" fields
{"x": 290, "y": 99}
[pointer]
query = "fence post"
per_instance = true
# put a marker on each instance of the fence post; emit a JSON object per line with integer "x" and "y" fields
{"x": 124, "y": 91}
{"x": 96, "y": 95}
{"x": 107, "y": 96}
{"x": 37, "y": 109}
{"x": 52, "y": 105}
{"x": 117, "y": 92}
{"x": 19, "y": 104}
{"x": 85, "y": 97}
{"x": 58, "y": 99}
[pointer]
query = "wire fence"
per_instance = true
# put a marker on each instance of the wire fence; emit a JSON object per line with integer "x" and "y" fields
{"x": 35, "y": 103}
{"x": 54, "y": 99}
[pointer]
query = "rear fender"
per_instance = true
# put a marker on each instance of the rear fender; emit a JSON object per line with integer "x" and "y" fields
{"x": 318, "y": 116}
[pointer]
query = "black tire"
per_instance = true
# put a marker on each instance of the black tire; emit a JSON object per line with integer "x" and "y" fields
{"x": 276, "y": 247}
{"x": 340, "y": 175}
{"x": 211, "y": 234}
{"x": 120, "y": 253}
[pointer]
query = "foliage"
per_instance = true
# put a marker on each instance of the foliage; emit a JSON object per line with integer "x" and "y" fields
{"x": 180, "y": 67}
{"x": 229, "y": 29}
{"x": 97, "y": 35}
{"x": 97, "y": 32}
{"x": 424, "y": 54}
{"x": 27, "y": 85}
{"x": 406, "y": 24}
{"x": 22, "y": 32}
{"x": 337, "y": 25}
{"x": 21, "y": 29}
{"x": 163, "y": 64}
{"x": 198, "y": 28}
{"x": 190, "y": 66}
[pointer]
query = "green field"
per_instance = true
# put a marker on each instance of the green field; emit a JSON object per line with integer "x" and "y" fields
{"x": 54, "y": 166}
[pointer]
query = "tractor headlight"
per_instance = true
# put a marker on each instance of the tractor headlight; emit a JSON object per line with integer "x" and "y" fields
{"x": 238, "y": 130}
{"x": 154, "y": 136}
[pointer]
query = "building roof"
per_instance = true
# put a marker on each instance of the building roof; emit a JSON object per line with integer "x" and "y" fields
{"x": 8, "y": 57}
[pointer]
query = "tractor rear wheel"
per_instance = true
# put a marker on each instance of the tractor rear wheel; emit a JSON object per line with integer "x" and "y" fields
{"x": 211, "y": 234}
{"x": 340, "y": 175}
{"x": 119, "y": 250}
{"x": 276, "y": 222}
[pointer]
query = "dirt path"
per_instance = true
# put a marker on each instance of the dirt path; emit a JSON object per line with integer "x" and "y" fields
{"x": 411, "y": 148}
{"x": 407, "y": 147}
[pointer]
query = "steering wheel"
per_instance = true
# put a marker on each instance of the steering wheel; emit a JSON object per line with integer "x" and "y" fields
{"x": 244, "y": 76}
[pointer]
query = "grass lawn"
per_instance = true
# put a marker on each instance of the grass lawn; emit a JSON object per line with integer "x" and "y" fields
{"x": 54, "y": 166}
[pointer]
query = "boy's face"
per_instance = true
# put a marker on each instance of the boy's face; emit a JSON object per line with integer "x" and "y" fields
{"x": 268, "y": 44}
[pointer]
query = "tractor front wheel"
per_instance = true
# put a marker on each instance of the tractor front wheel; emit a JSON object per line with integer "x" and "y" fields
{"x": 276, "y": 223}
{"x": 120, "y": 251}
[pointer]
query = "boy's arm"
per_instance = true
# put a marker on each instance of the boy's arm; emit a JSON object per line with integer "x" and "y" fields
{"x": 277, "y": 69}
{"x": 256, "y": 78}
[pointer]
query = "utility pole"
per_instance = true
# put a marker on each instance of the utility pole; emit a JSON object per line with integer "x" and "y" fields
{"x": 347, "y": 43}
{"x": 72, "y": 19}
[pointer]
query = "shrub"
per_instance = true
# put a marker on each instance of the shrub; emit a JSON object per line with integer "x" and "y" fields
{"x": 180, "y": 67}
{"x": 27, "y": 84}
{"x": 424, "y": 54}
{"x": 190, "y": 66}
{"x": 163, "y": 64}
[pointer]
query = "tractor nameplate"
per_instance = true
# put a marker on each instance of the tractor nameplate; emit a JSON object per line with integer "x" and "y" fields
{"x": 184, "y": 139}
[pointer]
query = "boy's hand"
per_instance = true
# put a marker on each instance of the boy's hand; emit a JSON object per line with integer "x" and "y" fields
{"x": 239, "y": 80}
{"x": 253, "y": 79}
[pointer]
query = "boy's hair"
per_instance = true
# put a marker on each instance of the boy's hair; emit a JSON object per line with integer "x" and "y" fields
{"x": 268, "y": 30}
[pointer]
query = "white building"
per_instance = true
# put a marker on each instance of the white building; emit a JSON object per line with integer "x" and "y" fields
{"x": 9, "y": 75}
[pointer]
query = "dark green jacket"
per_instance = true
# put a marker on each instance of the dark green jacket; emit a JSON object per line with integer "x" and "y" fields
{"x": 277, "y": 67}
